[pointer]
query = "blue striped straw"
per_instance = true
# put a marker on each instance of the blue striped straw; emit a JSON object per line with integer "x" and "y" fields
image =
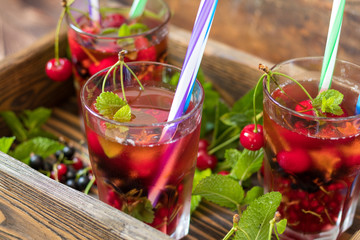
{"x": 332, "y": 44}
{"x": 94, "y": 12}
{"x": 137, "y": 8}
{"x": 195, "y": 51}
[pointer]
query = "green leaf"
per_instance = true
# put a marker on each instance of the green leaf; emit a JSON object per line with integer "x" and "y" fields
{"x": 252, "y": 194}
{"x": 123, "y": 114}
{"x": 39, "y": 145}
{"x": 137, "y": 28}
{"x": 5, "y": 143}
{"x": 15, "y": 125}
{"x": 249, "y": 162}
{"x": 329, "y": 102}
{"x": 238, "y": 119}
{"x": 141, "y": 210}
{"x": 255, "y": 221}
{"x": 196, "y": 199}
{"x": 246, "y": 102}
{"x": 33, "y": 119}
{"x": 221, "y": 190}
{"x": 124, "y": 30}
{"x": 281, "y": 226}
{"x": 108, "y": 103}
{"x": 109, "y": 31}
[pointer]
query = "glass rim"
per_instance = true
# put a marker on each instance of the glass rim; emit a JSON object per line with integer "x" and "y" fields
{"x": 150, "y": 31}
{"x": 302, "y": 115}
{"x": 128, "y": 124}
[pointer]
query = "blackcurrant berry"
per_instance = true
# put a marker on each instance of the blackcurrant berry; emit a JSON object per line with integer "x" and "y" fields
{"x": 68, "y": 152}
{"x": 36, "y": 162}
{"x": 59, "y": 154}
{"x": 71, "y": 173}
{"x": 82, "y": 182}
{"x": 71, "y": 183}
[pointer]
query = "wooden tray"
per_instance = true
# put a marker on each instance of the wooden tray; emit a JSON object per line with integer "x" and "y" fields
{"x": 32, "y": 206}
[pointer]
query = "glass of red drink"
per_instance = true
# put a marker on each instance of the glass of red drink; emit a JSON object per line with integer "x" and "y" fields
{"x": 139, "y": 169}
{"x": 313, "y": 161}
{"x": 95, "y": 45}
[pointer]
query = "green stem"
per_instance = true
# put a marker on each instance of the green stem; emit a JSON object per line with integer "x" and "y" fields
{"x": 72, "y": 19}
{"x": 223, "y": 135}
{"x": 231, "y": 232}
{"x": 270, "y": 228}
{"x": 254, "y": 104}
{"x": 107, "y": 74}
{"x": 230, "y": 140}
{"x": 216, "y": 125}
{"x": 122, "y": 79}
{"x": 57, "y": 33}
{"x": 132, "y": 73}
{"x": 88, "y": 187}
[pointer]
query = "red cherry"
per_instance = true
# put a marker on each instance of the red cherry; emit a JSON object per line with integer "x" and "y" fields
{"x": 77, "y": 163}
{"x": 252, "y": 140}
{"x": 148, "y": 54}
{"x": 204, "y": 160}
{"x": 106, "y": 62}
{"x": 141, "y": 43}
{"x": 224, "y": 172}
{"x": 113, "y": 21}
{"x": 203, "y": 144}
{"x": 305, "y": 105}
{"x": 294, "y": 161}
{"x": 60, "y": 71}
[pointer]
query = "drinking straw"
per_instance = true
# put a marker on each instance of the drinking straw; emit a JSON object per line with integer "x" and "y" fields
{"x": 194, "y": 53}
{"x": 94, "y": 12}
{"x": 137, "y": 8}
{"x": 332, "y": 44}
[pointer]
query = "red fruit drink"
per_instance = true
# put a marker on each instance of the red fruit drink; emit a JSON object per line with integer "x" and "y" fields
{"x": 95, "y": 45}
{"x": 314, "y": 162}
{"x": 129, "y": 159}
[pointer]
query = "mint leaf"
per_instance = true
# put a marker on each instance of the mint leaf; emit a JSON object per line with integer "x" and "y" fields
{"x": 281, "y": 226}
{"x": 140, "y": 209}
{"x": 5, "y": 144}
{"x": 109, "y": 31}
{"x": 221, "y": 190}
{"x": 39, "y": 145}
{"x": 137, "y": 28}
{"x": 252, "y": 194}
{"x": 255, "y": 221}
{"x": 196, "y": 199}
{"x": 329, "y": 102}
{"x": 124, "y": 30}
{"x": 246, "y": 101}
{"x": 35, "y": 118}
{"x": 248, "y": 163}
{"x": 108, "y": 103}
{"x": 15, "y": 125}
{"x": 123, "y": 114}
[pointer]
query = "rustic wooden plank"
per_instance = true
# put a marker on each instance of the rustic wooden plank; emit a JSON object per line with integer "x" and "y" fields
{"x": 32, "y": 206}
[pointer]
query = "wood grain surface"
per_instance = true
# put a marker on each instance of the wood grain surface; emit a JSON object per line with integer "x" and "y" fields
{"x": 274, "y": 30}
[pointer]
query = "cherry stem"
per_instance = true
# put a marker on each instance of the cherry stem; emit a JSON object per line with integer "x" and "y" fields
{"x": 254, "y": 98}
{"x": 57, "y": 33}
{"x": 89, "y": 185}
{"x": 230, "y": 140}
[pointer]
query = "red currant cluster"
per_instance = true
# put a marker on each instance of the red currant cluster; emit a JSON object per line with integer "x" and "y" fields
{"x": 66, "y": 168}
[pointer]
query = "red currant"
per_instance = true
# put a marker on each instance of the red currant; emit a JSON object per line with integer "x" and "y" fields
{"x": 204, "y": 160}
{"x": 294, "y": 161}
{"x": 148, "y": 54}
{"x": 61, "y": 170}
{"x": 224, "y": 172}
{"x": 60, "y": 71}
{"x": 77, "y": 163}
{"x": 203, "y": 144}
{"x": 252, "y": 140}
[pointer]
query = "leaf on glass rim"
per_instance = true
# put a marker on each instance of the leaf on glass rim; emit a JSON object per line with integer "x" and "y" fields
{"x": 109, "y": 31}
{"x": 248, "y": 163}
{"x": 221, "y": 190}
{"x": 138, "y": 28}
{"x": 329, "y": 102}
{"x": 39, "y": 145}
{"x": 255, "y": 221}
{"x": 5, "y": 144}
{"x": 141, "y": 209}
{"x": 108, "y": 103}
{"x": 15, "y": 125}
{"x": 123, "y": 114}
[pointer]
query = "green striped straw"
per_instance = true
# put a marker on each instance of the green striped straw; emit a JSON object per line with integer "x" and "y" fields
{"x": 137, "y": 8}
{"x": 332, "y": 44}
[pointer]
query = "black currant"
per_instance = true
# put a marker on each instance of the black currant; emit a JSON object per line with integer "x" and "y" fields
{"x": 68, "y": 152}
{"x": 82, "y": 182}
{"x": 71, "y": 183}
{"x": 59, "y": 154}
{"x": 71, "y": 173}
{"x": 36, "y": 162}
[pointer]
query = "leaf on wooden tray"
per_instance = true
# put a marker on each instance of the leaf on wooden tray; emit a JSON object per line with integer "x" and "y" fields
{"x": 5, "y": 143}
{"x": 221, "y": 190}
{"x": 34, "y": 119}
{"x": 15, "y": 125}
{"x": 248, "y": 163}
{"x": 255, "y": 221}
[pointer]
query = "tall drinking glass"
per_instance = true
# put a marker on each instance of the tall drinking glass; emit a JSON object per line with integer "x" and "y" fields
{"x": 313, "y": 161}
{"x": 94, "y": 45}
{"x": 139, "y": 169}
